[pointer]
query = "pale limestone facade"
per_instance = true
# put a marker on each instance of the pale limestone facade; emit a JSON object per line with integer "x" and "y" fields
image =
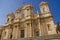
{"x": 27, "y": 24}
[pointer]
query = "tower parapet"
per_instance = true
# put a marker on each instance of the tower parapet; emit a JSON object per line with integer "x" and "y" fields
{"x": 46, "y": 19}
{"x": 44, "y": 7}
{"x": 10, "y": 18}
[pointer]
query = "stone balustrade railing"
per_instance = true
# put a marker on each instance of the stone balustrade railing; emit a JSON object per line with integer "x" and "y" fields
{"x": 49, "y": 37}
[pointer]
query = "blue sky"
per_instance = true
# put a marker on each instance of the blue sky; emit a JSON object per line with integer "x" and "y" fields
{"x": 7, "y": 6}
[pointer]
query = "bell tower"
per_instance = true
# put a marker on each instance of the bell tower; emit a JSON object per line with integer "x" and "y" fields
{"x": 10, "y": 18}
{"x": 44, "y": 7}
{"x": 47, "y": 22}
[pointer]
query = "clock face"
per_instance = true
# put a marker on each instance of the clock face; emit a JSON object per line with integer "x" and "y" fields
{"x": 22, "y": 15}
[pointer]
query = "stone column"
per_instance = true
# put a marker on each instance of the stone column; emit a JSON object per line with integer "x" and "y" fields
{"x": 10, "y": 33}
{"x": 29, "y": 31}
{"x": 39, "y": 26}
{"x": 15, "y": 32}
{"x": 5, "y": 34}
{"x": 25, "y": 34}
{"x": 43, "y": 27}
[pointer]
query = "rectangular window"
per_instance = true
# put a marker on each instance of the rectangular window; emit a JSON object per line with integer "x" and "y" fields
{"x": 37, "y": 33}
{"x": 48, "y": 27}
{"x": 22, "y": 33}
{"x": 11, "y": 36}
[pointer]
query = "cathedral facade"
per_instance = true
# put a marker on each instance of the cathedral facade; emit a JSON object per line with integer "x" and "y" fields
{"x": 27, "y": 24}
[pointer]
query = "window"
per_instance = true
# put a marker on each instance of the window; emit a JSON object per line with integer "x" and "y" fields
{"x": 43, "y": 9}
{"x": 22, "y": 15}
{"x": 28, "y": 24}
{"x": 16, "y": 26}
{"x": 10, "y": 36}
{"x": 48, "y": 27}
{"x": 27, "y": 9}
{"x": 7, "y": 19}
{"x": 22, "y": 33}
{"x": 37, "y": 33}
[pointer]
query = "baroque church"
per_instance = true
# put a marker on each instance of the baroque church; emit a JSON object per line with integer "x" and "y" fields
{"x": 27, "y": 24}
